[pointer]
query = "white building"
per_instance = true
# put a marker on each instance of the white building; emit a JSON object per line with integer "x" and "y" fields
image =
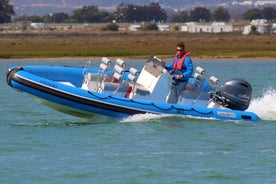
{"x": 162, "y": 27}
{"x": 215, "y": 27}
{"x": 261, "y": 26}
{"x": 274, "y": 28}
{"x": 38, "y": 25}
{"x": 134, "y": 27}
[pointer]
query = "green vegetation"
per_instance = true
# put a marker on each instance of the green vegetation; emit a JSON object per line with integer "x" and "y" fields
{"x": 110, "y": 27}
{"x": 134, "y": 44}
{"x": 6, "y": 11}
{"x": 152, "y": 27}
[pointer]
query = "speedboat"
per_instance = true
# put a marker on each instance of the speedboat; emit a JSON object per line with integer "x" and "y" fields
{"x": 111, "y": 89}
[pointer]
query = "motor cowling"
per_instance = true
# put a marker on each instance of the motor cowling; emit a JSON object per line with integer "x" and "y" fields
{"x": 236, "y": 94}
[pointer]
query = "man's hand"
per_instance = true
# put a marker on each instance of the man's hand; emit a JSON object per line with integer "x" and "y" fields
{"x": 178, "y": 76}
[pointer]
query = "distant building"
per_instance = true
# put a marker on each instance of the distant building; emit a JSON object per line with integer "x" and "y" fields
{"x": 261, "y": 26}
{"x": 215, "y": 27}
{"x": 134, "y": 27}
{"x": 163, "y": 27}
{"x": 38, "y": 25}
{"x": 274, "y": 28}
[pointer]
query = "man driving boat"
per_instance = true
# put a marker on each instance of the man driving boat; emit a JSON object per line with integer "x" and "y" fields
{"x": 181, "y": 68}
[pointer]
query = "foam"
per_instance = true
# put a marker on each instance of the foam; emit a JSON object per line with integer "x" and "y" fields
{"x": 265, "y": 106}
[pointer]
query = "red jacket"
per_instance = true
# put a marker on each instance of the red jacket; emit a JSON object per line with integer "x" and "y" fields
{"x": 179, "y": 65}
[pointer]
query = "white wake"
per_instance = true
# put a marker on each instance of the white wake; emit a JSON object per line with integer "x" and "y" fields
{"x": 145, "y": 117}
{"x": 265, "y": 106}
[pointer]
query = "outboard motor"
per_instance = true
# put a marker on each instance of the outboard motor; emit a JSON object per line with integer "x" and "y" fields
{"x": 236, "y": 94}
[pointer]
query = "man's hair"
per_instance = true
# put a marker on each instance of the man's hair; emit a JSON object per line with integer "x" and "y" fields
{"x": 181, "y": 44}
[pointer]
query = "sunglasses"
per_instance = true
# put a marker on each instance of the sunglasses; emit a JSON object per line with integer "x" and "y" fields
{"x": 179, "y": 50}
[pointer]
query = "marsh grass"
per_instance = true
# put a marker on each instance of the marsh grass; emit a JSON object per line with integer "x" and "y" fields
{"x": 134, "y": 44}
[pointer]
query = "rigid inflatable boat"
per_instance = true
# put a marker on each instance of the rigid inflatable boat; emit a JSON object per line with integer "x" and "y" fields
{"x": 113, "y": 90}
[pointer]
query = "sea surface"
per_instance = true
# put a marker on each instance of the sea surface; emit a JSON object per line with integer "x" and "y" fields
{"x": 40, "y": 145}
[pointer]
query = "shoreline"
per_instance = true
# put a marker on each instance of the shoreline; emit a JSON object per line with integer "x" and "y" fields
{"x": 132, "y": 58}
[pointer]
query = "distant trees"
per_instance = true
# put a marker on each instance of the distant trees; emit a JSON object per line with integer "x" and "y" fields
{"x": 221, "y": 14}
{"x": 268, "y": 13}
{"x": 35, "y": 18}
{"x": 90, "y": 14}
{"x": 137, "y": 13}
{"x": 133, "y": 13}
{"x": 253, "y": 14}
{"x": 59, "y": 17}
{"x": 123, "y": 13}
{"x": 6, "y": 11}
{"x": 152, "y": 13}
{"x": 181, "y": 17}
{"x": 200, "y": 14}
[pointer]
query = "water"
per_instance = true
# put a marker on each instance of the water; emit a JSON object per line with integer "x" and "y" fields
{"x": 40, "y": 145}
